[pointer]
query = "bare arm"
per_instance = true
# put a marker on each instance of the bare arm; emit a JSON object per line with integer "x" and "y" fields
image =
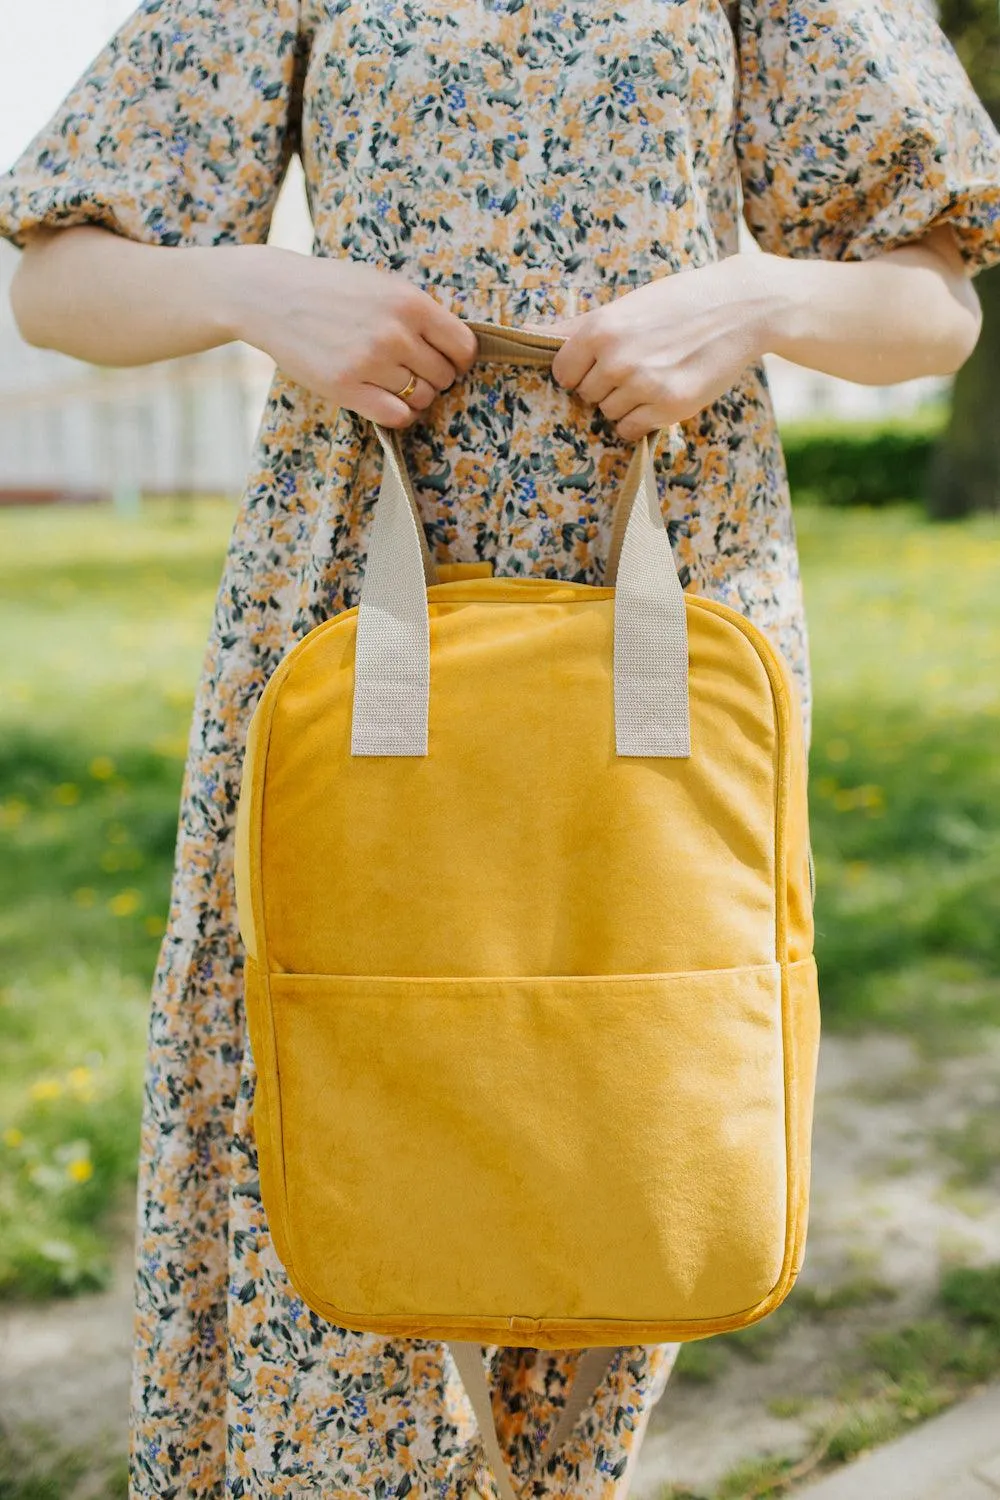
{"x": 345, "y": 330}
{"x": 909, "y": 312}
{"x": 111, "y": 301}
{"x": 661, "y": 353}
{"x": 651, "y": 357}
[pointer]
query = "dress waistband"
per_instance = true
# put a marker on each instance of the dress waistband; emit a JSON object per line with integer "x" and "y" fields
{"x": 536, "y": 294}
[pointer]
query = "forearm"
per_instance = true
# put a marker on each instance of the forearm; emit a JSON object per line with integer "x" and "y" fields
{"x": 353, "y": 334}
{"x": 897, "y": 316}
{"x": 112, "y": 301}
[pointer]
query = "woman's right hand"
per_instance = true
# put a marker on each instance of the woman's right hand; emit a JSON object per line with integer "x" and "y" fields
{"x": 349, "y": 332}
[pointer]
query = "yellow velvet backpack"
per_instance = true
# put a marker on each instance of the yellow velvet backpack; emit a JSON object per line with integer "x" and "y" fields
{"x": 524, "y": 884}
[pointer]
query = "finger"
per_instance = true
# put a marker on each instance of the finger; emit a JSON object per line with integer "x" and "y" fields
{"x": 398, "y": 378}
{"x": 622, "y": 399}
{"x": 573, "y": 362}
{"x": 573, "y": 368}
{"x": 430, "y": 364}
{"x": 640, "y": 420}
{"x": 598, "y": 384}
{"x": 382, "y": 406}
{"x": 448, "y": 334}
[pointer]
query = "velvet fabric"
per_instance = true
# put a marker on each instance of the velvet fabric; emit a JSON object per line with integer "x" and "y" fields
{"x": 535, "y": 1025}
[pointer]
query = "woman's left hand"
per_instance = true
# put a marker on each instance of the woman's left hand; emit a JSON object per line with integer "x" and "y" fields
{"x": 666, "y": 350}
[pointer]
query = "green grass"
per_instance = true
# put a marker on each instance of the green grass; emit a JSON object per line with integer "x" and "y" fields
{"x": 914, "y": 1371}
{"x": 757, "y": 1477}
{"x": 973, "y": 1148}
{"x": 108, "y": 619}
{"x": 32, "y": 1469}
{"x": 905, "y": 629}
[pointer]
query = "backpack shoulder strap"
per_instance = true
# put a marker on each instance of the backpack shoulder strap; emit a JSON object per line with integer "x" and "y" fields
{"x": 590, "y": 1371}
{"x": 472, "y": 1371}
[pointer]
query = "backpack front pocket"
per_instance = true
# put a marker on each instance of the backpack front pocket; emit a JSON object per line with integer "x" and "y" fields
{"x": 549, "y": 1155}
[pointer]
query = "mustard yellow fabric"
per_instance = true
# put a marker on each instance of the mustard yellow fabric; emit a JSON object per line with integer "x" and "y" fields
{"x": 535, "y": 1025}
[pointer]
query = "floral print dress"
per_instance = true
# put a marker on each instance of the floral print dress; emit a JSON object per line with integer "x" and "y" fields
{"x": 521, "y": 162}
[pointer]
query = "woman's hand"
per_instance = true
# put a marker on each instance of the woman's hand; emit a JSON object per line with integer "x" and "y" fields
{"x": 347, "y": 331}
{"x": 664, "y": 351}
{"x": 350, "y": 332}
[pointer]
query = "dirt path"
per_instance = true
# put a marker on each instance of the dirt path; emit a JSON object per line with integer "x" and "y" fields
{"x": 65, "y": 1366}
{"x": 883, "y": 1211}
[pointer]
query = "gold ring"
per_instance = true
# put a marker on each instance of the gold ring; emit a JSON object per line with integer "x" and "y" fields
{"x": 408, "y": 388}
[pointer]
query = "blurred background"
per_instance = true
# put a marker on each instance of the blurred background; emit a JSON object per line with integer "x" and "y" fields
{"x": 117, "y": 492}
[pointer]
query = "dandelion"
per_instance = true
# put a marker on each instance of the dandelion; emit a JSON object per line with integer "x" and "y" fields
{"x": 12, "y": 812}
{"x": 80, "y": 1169}
{"x": 125, "y": 904}
{"x": 102, "y": 768}
{"x": 84, "y": 897}
{"x": 44, "y": 1089}
{"x": 66, "y": 794}
{"x": 12, "y": 1137}
{"x": 79, "y": 1078}
{"x": 838, "y": 750}
{"x": 155, "y": 926}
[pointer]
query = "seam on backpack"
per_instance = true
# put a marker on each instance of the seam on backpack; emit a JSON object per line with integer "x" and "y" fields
{"x": 632, "y": 980}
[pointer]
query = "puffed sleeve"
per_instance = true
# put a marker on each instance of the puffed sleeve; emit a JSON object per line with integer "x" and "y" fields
{"x": 179, "y": 132}
{"x": 858, "y": 130}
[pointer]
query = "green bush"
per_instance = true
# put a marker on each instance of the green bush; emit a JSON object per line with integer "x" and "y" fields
{"x": 864, "y": 464}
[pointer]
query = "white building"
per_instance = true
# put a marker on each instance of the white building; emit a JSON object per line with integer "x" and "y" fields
{"x": 68, "y": 429}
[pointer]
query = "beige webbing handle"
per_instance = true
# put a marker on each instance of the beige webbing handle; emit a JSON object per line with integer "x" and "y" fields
{"x": 392, "y": 654}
